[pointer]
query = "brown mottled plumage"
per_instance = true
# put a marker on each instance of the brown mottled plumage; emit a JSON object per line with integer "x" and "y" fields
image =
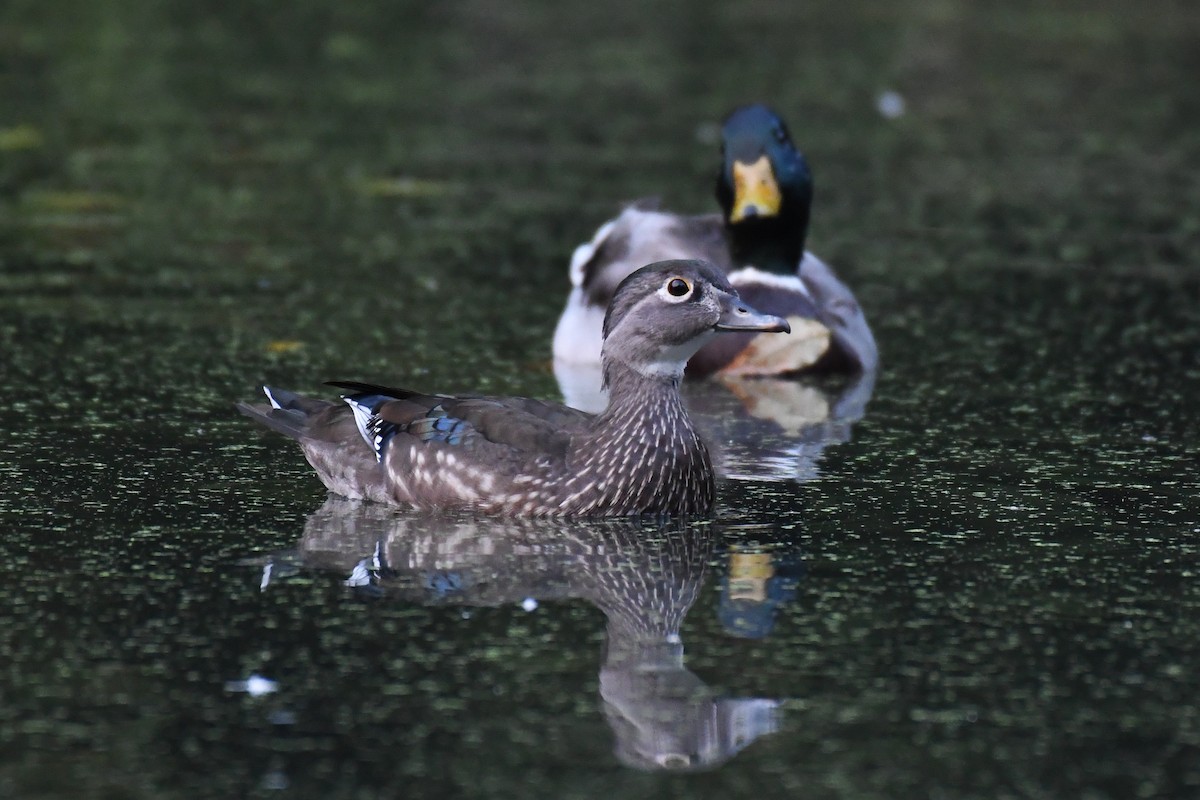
{"x": 525, "y": 457}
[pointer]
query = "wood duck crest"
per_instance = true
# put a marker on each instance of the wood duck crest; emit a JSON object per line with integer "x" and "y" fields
{"x": 518, "y": 456}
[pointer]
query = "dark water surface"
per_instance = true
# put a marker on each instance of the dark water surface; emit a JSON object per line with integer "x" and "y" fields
{"x": 983, "y": 586}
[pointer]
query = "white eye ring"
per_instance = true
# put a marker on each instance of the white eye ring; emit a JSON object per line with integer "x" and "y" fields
{"x": 676, "y": 289}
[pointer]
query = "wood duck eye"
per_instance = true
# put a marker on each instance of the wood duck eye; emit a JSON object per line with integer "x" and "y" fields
{"x": 678, "y": 287}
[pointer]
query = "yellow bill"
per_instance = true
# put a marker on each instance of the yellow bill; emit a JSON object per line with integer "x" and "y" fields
{"x": 755, "y": 192}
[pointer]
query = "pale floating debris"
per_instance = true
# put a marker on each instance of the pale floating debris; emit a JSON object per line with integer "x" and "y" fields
{"x": 890, "y": 104}
{"x": 280, "y": 346}
{"x": 255, "y": 686}
{"x": 276, "y": 780}
{"x": 21, "y": 137}
{"x": 361, "y": 576}
{"x": 282, "y": 717}
{"x": 529, "y": 604}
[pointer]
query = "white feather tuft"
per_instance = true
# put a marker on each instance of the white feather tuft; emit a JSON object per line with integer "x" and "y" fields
{"x": 579, "y": 333}
{"x": 271, "y": 398}
{"x": 584, "y": 252}
{"x": 747, "y": 276}
{"x": 362, "y": 418}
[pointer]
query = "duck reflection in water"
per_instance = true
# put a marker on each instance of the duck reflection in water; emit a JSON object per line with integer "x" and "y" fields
{"x": 765, "y": 429}
{"x": 643, "y": 575}
{"x": 757, "y": 581}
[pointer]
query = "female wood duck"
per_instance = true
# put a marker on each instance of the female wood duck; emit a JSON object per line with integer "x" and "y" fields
{"x": 525, "y": 457}
{"x": 765, "y": 192}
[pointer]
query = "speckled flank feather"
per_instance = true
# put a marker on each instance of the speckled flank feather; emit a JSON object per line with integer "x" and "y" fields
{"x": 438, "y": 461}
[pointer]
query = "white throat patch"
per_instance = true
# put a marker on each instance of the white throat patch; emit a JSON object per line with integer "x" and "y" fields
{"x": 671, "y": 361}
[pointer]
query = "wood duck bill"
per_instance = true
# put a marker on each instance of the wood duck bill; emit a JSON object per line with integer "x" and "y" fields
{"x": 737, "y": 315}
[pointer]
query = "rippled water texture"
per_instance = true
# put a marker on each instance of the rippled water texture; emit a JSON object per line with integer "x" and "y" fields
{"x": 974, "y": 575}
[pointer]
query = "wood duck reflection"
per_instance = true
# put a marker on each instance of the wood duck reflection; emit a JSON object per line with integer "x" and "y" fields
{"x": 643, "y": 576}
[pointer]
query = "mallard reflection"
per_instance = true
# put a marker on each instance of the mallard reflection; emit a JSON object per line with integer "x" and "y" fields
{"x": 755, "y": 583}
{"x": 644, "y": 576}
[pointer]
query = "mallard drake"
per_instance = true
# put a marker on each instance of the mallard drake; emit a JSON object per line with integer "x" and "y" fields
{"x": 765, "y": 190}
{"x": 518, "y": 456}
